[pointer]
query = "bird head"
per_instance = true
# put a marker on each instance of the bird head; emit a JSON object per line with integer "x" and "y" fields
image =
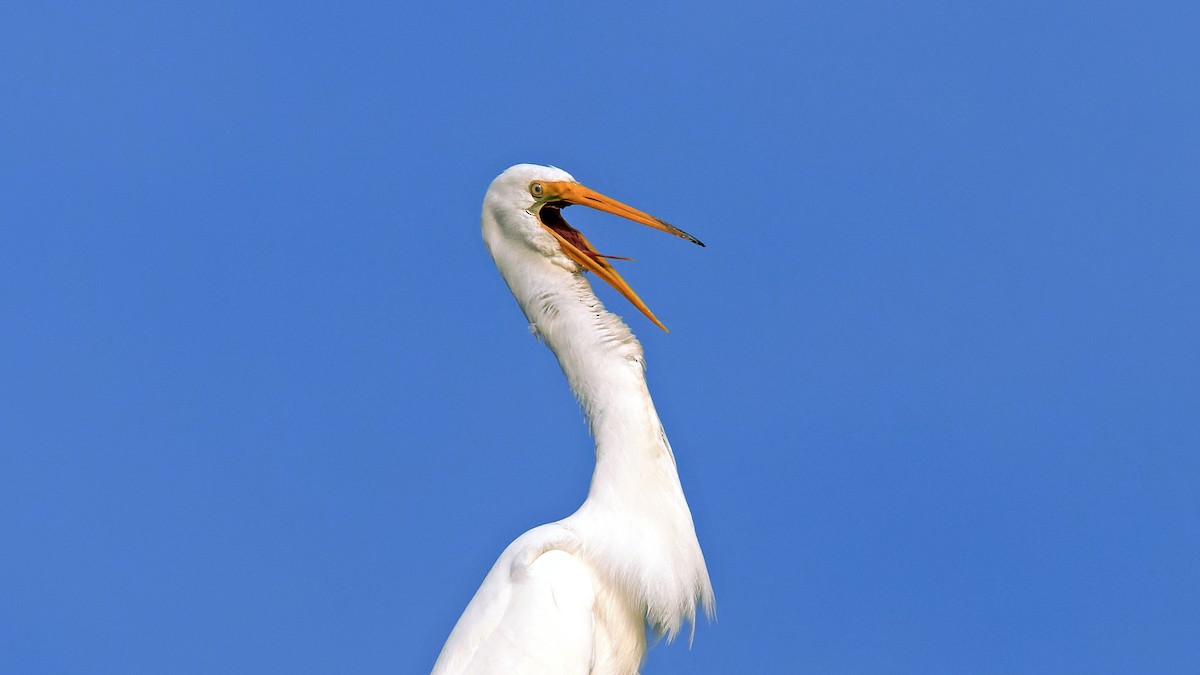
{"x": 542, "y": 192}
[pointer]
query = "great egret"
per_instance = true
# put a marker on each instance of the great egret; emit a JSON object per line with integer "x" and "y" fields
{"x": 575, "y": 596}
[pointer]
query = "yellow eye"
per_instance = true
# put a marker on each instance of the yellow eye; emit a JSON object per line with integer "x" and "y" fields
{"x": 535, "y": 189}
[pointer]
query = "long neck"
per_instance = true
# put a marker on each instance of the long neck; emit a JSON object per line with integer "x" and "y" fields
{"x": 605, "y": 368}
{"x": 637, "y": 524}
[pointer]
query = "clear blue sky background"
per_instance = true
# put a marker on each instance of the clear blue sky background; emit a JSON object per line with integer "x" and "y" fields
{"x": 934, "y": 385}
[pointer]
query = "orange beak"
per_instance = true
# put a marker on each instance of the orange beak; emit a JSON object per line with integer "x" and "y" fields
{"x": 557, "y": 194}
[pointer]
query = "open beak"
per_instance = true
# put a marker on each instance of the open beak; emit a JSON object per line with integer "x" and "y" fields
{"x": 558, "y": 194}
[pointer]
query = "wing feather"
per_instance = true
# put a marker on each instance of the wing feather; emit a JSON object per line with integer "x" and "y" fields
{"x": 534, "y": 613}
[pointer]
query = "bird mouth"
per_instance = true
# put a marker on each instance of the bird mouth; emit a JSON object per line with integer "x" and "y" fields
{"x": 548, "y": 210}
{"x": 551, "y": 218}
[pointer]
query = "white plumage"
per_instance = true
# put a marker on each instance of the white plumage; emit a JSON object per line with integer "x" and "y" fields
{"x": 575, "y": 596}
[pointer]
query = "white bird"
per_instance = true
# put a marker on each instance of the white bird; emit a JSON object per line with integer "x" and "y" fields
{"x": 576, "y": 595}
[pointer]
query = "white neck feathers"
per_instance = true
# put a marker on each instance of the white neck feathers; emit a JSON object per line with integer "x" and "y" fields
{"x": 635, "y": 521}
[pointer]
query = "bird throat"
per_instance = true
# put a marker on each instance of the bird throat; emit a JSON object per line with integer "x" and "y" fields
{"x": 551, "y": 217}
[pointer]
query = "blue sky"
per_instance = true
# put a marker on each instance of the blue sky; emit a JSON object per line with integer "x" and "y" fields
{"x": 266, "y": 405}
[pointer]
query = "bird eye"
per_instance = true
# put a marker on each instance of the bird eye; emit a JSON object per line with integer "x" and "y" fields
{"x": 535, "y": 189}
